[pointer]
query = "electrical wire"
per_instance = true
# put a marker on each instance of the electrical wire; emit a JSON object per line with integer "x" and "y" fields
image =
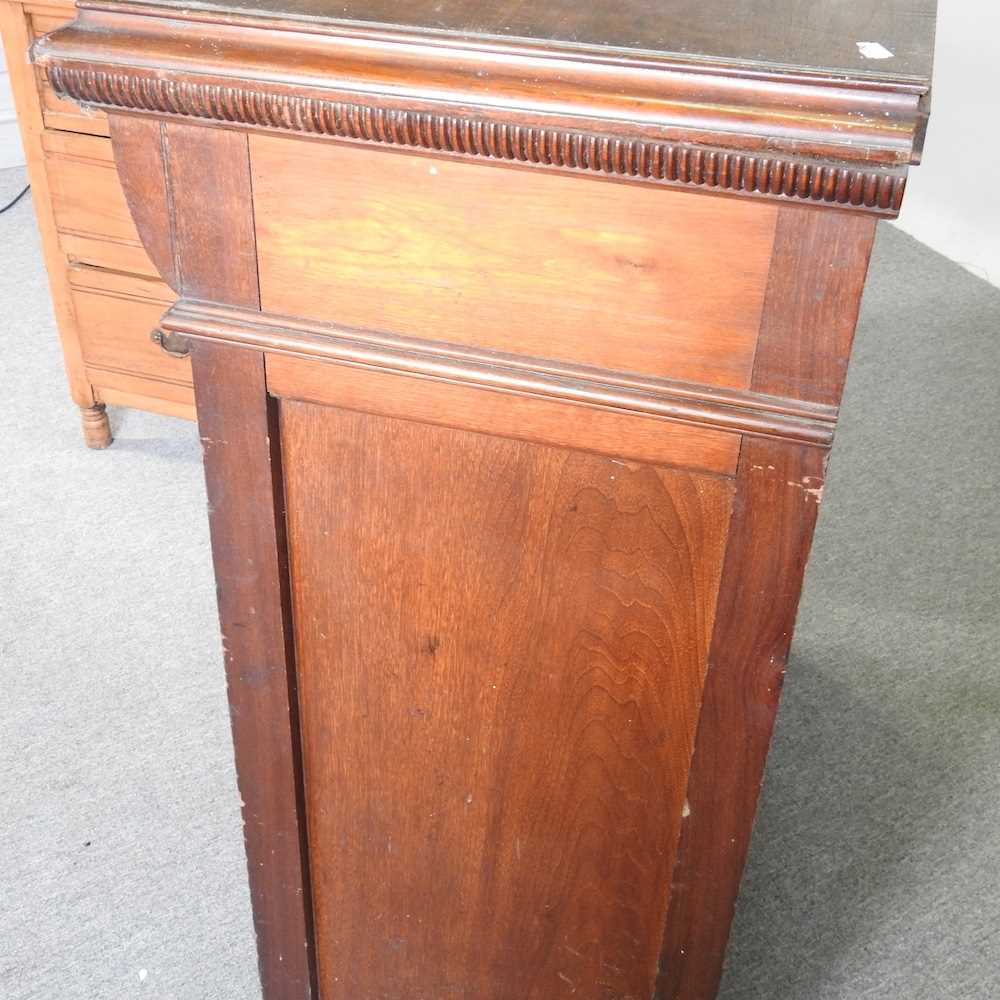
{"x": 10, "y": 204}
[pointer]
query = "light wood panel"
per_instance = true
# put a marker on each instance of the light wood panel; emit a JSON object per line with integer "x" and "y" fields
{"x": 58, "y": 113}
{"x": 100, "y": 252}
{"x": 115, "y": 315}
{"x": 500, "y": 655}
{"x": 16, "y": 31}
{"x": 175, "y": 399}
{"x": 611, "y": 432}
{"x": 90, "y": 210}
{"x": 570, "y": 268}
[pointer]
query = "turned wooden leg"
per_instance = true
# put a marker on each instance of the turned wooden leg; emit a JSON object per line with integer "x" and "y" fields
{"x": 96, "y": 427}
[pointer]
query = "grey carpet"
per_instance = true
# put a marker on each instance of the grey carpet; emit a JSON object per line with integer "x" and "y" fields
{"x": 875, "y": 868}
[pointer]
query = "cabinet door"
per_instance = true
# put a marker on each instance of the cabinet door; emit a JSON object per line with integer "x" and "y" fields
{"x": 500, "y": 653}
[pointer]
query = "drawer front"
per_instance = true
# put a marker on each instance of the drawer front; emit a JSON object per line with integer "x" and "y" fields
{"x": 56, "y": 112}
{"x": 569, "y": 268}
{"x": 93, "y": 219}
{"x": 115, "y": 315}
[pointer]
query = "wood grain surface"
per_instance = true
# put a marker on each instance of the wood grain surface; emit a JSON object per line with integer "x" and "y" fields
{"x": 86, "y": 195}
{"x": 813, "y": 298}
{"x": 140, "y": 157}
{"x": 779, "y": 491}
{"x": 501, "y": 649}
{"x": 617, "y": 433}
{"x": 115, "y": 330}
{"x": 783, "y": 32}
{"x": 212, "y": 214}
{"x": 15, "y": 29}
{"x": 243, "y": 480}
{"x": 554, "y": 267}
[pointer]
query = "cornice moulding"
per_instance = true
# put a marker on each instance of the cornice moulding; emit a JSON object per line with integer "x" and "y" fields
{"x": 825, "y": 141}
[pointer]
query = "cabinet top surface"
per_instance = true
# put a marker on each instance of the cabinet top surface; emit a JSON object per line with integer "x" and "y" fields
{"x": 890, "y": 39}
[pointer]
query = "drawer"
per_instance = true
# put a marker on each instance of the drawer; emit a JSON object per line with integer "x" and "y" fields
{"x": 115, "y": 314}
{"x": 173, "y": 399}
{"x": 570, "y": 268}
{"x": 56, "y": 112}
{"x": 92, "y": 217}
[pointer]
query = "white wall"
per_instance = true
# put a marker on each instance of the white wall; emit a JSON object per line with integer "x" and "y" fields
{"x": 11, "y": 154}
{"x": 953, "y": 198}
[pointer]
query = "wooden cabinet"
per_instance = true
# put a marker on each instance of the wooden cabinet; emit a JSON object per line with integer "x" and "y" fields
{"x": 517, "y": 363}
{"x": 107, "y": 295}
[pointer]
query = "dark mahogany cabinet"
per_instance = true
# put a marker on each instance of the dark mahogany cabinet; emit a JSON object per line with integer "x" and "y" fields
{"x": 518, "y": 334}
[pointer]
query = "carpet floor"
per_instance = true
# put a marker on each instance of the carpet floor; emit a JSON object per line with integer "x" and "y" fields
{"x": 875, "y": 867}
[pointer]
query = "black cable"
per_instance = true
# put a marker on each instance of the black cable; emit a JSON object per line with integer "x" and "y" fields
{"x": 15, "y": 199}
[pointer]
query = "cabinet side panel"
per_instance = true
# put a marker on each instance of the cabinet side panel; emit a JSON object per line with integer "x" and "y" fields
{"x": 501, "y": 649}
{"x": 779, "y": 487}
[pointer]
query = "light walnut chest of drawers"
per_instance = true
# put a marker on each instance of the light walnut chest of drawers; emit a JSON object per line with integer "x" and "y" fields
{"x": 106, "y": 294}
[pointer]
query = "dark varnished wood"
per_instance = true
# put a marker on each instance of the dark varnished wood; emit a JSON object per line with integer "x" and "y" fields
{"x": 500, "y": 657}
{"x": 750, "y": 130}
{"x": 814, "y": 293}
{"x": 243, "y": 479}
{"x": 140, "y": 157}
{"x": 779, "y": 488}
{"x": 212, "y": 214}
{"x": 799, "y": 34}
{"x": 190, "y": 195}
{"x": 611, "y": 431}
{"x": 540, "y": 629}
{"x": 693, "y": 403}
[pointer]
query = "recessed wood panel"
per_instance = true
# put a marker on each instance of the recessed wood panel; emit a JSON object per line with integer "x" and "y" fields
{"x": 570, "y": 268}
{"x": 501, "y": 648}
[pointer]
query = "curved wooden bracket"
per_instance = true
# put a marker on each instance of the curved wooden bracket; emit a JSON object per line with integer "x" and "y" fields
{"x": 141, "y": 163}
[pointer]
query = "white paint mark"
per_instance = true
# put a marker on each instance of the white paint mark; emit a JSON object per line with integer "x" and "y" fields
{"x": 686, "y": 811}
{"x": 433, "y": 171}
{"x": 142, "y": 975}
{"x": 873, "y": 50}
{"x": 468, "y": 799}
{"x": 568, "y": 981}
{"x": 815, "y": 492}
